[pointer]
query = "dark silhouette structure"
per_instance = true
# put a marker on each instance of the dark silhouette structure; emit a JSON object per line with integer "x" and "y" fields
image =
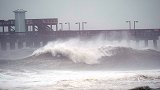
{"x": 40, "y": 31}
{"x": 37, "y": 32}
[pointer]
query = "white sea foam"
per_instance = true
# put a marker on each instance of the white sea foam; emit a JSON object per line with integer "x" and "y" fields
{"x": 78, "y": 80}
{"x": 92, "y": 52}
{"x": 41, "y": 73}
{"x": 71, "y": 50}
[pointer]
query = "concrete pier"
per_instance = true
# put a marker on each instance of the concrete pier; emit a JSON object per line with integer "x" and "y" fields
{"x": 37, "y": 39}
{"x": 37, "y": 32}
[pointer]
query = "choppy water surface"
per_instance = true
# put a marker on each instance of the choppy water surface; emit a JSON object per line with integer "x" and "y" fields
{"x": 50, "y": 79}
{"x": 76, "y": 64}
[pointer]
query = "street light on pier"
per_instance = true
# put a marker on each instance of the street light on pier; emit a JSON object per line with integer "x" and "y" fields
{"x": 79, "y": 25}
{"x": 61, "y": 26}
{"x": 129, "y": 24}
{"x": 68, "y": 25}
{"x": 83, "y": 25}
{"x": 135, "y": 24}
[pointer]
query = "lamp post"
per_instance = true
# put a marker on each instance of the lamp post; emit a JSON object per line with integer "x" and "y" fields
{"x": 129, "y": 24}
{"x": 61, "y": 26}
{"x": 135, "y": 24}
{"x": 79, "y": 25}
{"x": 68, "y": 25}
{"x": 83, "y": 25}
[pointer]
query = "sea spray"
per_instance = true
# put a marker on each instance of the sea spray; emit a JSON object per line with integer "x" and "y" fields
{"x": 99, "y": 52}
{"x": 73, "y": 50}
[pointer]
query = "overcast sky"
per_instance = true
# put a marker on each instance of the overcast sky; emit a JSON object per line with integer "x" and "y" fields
{"x": 99, "y": 14}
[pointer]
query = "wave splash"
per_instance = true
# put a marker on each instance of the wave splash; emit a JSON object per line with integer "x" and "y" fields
{"x": 70, "y": 50}
{"x": 90, "y": 52}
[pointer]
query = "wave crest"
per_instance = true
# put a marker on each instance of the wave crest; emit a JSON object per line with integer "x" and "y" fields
{"x": 88, "y": 53}
{"x": 74, "y": 53}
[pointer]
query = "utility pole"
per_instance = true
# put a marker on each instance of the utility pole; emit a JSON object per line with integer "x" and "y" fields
{"x": 129, "y": 24}
{"x": 79, "y": 25}
{"x": 83, "y": 25}
{"x": 68, "y": 25}
{"x": 135, "y": 24}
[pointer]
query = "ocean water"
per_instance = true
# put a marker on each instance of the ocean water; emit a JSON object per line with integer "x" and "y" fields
{"x": 80, "y": 65}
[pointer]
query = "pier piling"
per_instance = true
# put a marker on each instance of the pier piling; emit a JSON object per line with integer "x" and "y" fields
{"x": 146, "y": 43}
{"x": 3, "y": 45}
{"x": 155, "y": 43}
{"x": 12, "y": 45}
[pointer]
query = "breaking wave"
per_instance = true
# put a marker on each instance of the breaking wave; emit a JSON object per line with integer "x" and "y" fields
{"x": 74, "y": 53}
{"x": 90, "y": 53}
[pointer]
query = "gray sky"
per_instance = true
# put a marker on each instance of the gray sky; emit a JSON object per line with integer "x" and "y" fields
{"x": 100, "y": 14}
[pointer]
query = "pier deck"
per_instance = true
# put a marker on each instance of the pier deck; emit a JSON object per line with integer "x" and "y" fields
{"x": 40, "y": 38}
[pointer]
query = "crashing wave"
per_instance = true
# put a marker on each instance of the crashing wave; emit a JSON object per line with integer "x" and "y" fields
{"x": 76, "y": 54}
{"x": 79, "y": 53}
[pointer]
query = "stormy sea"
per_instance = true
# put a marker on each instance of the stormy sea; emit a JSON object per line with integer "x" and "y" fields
{"x": 76, "y": 64}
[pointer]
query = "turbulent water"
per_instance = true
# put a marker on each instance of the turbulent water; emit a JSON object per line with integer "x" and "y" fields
{"x": 76, "y": 64}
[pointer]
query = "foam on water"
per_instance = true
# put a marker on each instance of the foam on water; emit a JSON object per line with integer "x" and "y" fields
{"x": 73, "y": 52}
{"x": 95, "y": 52}
{"x": 79, "y": 79}
{"x": 75, "y": 65}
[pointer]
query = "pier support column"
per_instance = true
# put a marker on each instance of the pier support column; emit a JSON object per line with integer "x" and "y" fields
{"x": 146, "y": 43}
{"x": 12, "y": 45}
{"x": 3, "y": 29}
{"x": 20, "y": 44}
{"x": 155, "y": 44}
{"x": 4, "y": 45}
{"x": 51, "y": 27}
{"x": 9, "y": 28}
{"x": 56, "y": 27}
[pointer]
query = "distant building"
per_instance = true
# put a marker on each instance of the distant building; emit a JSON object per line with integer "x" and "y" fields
{"x": 20, "y": 25}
